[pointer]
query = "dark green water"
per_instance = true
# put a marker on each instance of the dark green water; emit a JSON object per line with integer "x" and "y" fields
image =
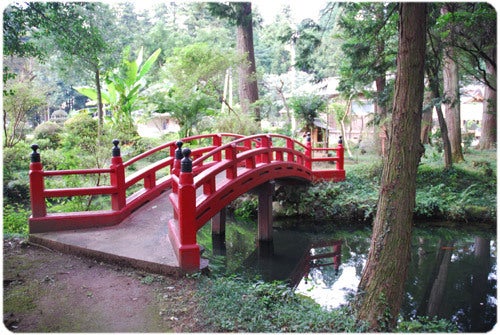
{"x": 452, "y": 274}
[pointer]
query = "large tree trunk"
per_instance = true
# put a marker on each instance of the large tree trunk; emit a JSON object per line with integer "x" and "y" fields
{"x": 247, "y": 90}
{"x": 381, "y": 288}
{"x": 452, "y": 99}
{"x": 489, "y": 123}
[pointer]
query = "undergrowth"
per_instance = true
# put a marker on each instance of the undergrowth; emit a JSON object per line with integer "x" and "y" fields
{"x": 232, "y": 304}
{"x": 465, "y": 193}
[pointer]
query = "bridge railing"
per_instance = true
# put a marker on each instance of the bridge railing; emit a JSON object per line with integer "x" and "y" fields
{"x": 127, "y": 189}
{"x": 204, "y": 185}
{"x": 245, "y": 153}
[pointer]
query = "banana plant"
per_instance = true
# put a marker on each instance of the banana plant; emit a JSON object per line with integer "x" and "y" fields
{"x": 121, "y": 90}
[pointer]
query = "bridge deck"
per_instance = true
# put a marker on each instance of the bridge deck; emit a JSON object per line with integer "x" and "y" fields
{"x": 140, "y": 241}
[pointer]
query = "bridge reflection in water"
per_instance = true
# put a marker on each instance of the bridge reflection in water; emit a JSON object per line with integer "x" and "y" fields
{"x": 290, "y": 262}
{"x": 452, "y": 273}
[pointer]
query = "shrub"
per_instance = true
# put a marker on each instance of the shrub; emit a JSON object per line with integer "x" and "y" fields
{"x": 426, "y": 324}
{"x": 50, "y": 132}
{"x": 236, "y": 123}
{"x": 17, "y": 191}
{"x": 230, "y": 304}
{"x": 15, "y": 220}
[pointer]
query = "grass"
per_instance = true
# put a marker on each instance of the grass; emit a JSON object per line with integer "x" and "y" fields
{"x": 231, "y": 304}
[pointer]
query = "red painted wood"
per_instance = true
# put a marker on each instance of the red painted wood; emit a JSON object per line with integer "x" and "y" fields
{"x": 244, "y": 162}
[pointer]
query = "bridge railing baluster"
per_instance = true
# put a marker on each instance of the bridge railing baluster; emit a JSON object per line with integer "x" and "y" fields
{"x": 117, "y": 178}
{"x": 266, "y": 143}
{"x": 37, "y": 185}
{"x": 231, "y": 152}
{"x": 217, "y": 142}
{"x": 308, "y": 153}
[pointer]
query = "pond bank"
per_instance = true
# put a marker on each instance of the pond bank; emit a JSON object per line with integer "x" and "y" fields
{"x": 464, "y": 195}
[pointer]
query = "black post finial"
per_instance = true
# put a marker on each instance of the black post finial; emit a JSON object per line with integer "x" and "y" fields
{"x": 35, "y": 156}
{"x": 186, "y": 163}
{"x": 308, "y": 137}
{"x": 116, "y": 149}
{"x": 178, "y": 151}
{"x": 340, "y": 140}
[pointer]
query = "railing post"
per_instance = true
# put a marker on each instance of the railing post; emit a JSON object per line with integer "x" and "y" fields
{"x": 189, "y": 250}
{"x": 290, "y": 145}
{"x": 231, "y": 153}
{"x": 117, "y": 178}
{"x": 266, "y": 143}
{"x": 258, "y": 144}
{"x": 177, "y": 158}
{"x": 308, "y": 152}
{"x": 176, "y": 167}
{"x": 37, "y": 187}
{"x": 340, "y": 155}
{"x": 217, "y": 142}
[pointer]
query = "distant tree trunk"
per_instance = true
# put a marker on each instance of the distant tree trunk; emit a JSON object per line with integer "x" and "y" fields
{"x": 426, "y": 119}
{"x": 381, "y": 111}
{"x": 452, "y": 100}
{"x": 247, "y": 90}
{"x": 100, "y": 112}
{"x": 380, "y": 291}
{"x": 448, "y": 161}
{"x": 489, "y": 122}
{"x": 433, "y": 74}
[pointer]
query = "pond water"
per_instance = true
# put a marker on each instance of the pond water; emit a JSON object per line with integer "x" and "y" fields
{"x": 452, "y": 274}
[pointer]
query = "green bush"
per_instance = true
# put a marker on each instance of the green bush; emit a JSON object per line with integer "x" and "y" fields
{"x": 426, "y": 324}
{"x": 245, "y": 207}
{"x": 15, "y": 220}
{"x": 16, "y": 191}
{"x": 16, "y": 159}
{"x": 236, "y": 305}
{"x": 460, "y": 194}
{"x": 49, "y": 132}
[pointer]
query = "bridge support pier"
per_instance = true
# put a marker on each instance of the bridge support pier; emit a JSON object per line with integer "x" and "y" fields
{"x": 219, "y": 233}
{"x": 219, "y": 223}
{"x": 265, "y": 213}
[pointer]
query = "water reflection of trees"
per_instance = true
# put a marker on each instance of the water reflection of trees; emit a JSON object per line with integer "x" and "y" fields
{"x": 450, "y": 278}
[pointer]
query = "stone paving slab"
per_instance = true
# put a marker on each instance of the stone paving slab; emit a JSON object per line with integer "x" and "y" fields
{"x": 140, "y": 241}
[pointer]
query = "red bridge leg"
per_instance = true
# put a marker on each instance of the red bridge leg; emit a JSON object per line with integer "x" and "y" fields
{"x": 265, "y": 212}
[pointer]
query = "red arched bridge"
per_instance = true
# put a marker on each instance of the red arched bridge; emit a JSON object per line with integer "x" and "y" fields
{"x": 203, "y": 179}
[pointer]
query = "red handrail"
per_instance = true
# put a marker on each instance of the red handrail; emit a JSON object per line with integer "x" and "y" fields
{"x": 221, "y": 146}
{"x": 120, "y": 183}
{"x": 202, "y": 189}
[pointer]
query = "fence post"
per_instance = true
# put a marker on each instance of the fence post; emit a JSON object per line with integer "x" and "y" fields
{"x": 308, "y": 152}
{"x": 340, "y": 155}
{"x": 117, "y": 178}
{"x": 37, "y": 187}
{"x": 189, "y": 250}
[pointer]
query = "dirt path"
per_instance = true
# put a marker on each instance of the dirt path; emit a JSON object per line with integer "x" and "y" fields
{"x": 46, "y": 291}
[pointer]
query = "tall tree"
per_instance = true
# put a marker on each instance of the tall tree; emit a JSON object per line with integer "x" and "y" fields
{"x": 240, "y": 14}
{"x": 472, "y": 32}
{"x": 370, "y": 48}
{"x": 380, "y": 291}
{"x": 452, "y": 91}
{"x": 72, "y": 29}
{"x": 434, "y": 75}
